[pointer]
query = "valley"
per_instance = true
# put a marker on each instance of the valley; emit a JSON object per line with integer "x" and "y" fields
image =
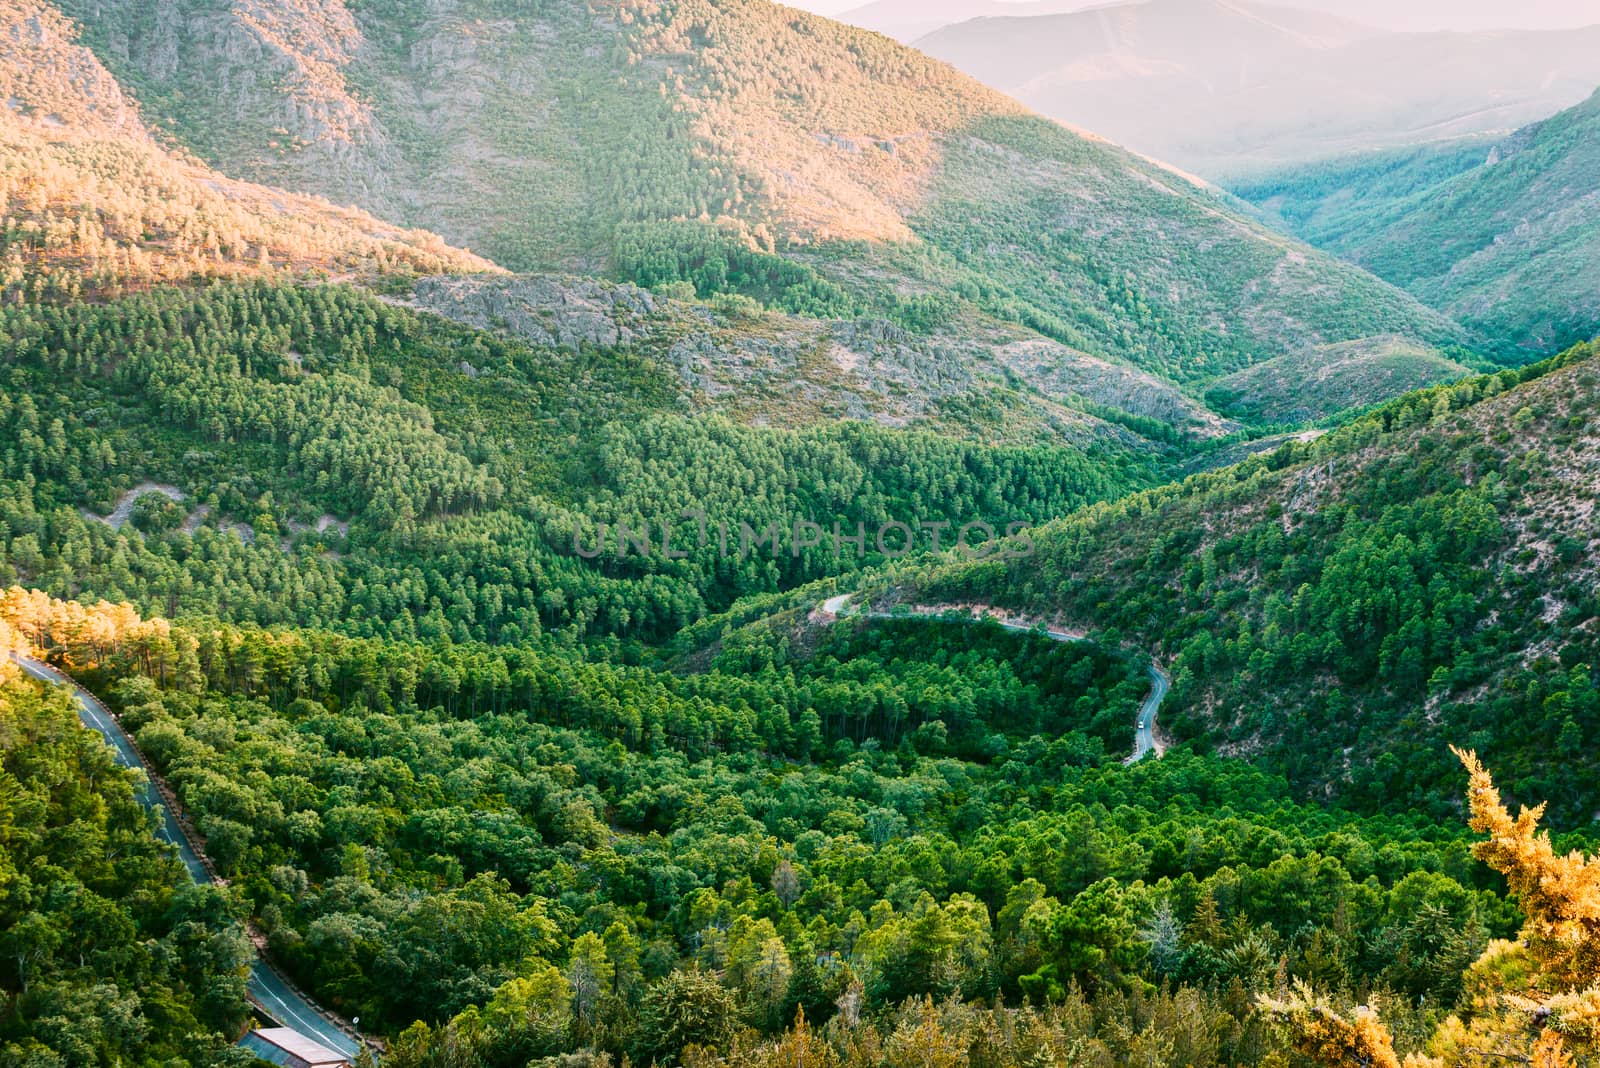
{"x": 1501, "y": 232}
{"x": 1359, "y": 564}
{"x": 685, "y": 533}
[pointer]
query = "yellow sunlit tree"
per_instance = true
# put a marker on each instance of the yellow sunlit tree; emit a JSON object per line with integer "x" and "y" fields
{"x": 1533, "y": 1001}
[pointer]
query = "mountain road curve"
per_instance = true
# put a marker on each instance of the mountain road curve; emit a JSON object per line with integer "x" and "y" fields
{"x": 270, "y": 990}
{"x": 1144, "y": 733}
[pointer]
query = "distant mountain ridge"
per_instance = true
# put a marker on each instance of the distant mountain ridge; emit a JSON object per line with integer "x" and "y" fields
{"x": 907, "y": 20}
{"x": 1223, "y": 87}
{"x": 1504, "y": 236}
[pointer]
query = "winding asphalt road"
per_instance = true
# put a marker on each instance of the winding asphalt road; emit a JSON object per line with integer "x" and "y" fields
{"x": 269, "y": 989}
{"x": 1144, "y": 733}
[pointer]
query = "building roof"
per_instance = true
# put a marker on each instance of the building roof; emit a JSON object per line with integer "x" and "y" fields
{"x": 288, "y": 1047}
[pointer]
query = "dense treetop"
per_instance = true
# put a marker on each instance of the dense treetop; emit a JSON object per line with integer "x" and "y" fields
{"x": 111, "y": 955}
{"x": 493, "y": 841}
{"x": 338, "y": 467}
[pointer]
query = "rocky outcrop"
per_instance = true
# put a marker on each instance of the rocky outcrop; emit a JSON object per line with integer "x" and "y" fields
{"x": 767, "y": 368}
{"x": 51, "y": 81}
{"x": 548, "y": 310}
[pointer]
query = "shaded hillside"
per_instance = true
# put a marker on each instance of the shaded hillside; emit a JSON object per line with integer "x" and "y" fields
{"x": 1322, "y": 200}
{"x": 92, "y": 199}
{"x": 1341, "y": 609}
{"x": 1306, "y": 388}
{"x": 1507, "y": 244}
{"x": 738, "y": 147}
{"x": 1224, "y": 88}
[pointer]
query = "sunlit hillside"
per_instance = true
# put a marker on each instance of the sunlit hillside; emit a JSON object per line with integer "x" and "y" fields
{"x": 739, "y": 146}
{"x": 94, "y": 202}
{"x": 847, "y": 572}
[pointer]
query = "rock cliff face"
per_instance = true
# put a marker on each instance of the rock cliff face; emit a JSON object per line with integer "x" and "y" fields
{"x": 50, "y": 82}
{"x": 259, "y": 87}
{"x": 443, "y": 115}
{"x": 100, "y": 203}
{"x": 560, "y": 312}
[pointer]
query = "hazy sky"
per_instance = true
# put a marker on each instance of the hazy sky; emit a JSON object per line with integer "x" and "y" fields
{"x": 1393, "y": 14}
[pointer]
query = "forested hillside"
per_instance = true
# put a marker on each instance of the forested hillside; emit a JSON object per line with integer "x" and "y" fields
{"x": 484, "y": 629}
{"x": 1500, "y": 235}
{"x": 313, "y": 455}
{"x": 111, "y": 955}
{"x": 738, "y": 147}
{"x": 1342, "y": 608}
{"x": 527, "y": 853}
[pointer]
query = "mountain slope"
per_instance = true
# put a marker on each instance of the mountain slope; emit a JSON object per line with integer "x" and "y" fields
{"x": 1507, "y": 246}
{"x": 122, "y": 211}
{"x": 312, "y": 454}
{"x": 1222, "y": 87}
{"x": 93, "y": 199}
{"x": 738, "y": 146}
{"x": 973, "y": 378}
{"x": 1343, "y": 608}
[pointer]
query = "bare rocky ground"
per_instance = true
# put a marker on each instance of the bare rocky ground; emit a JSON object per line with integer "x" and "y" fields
{"x": 122, "y": 513}
{"x": 769, "y": 368}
